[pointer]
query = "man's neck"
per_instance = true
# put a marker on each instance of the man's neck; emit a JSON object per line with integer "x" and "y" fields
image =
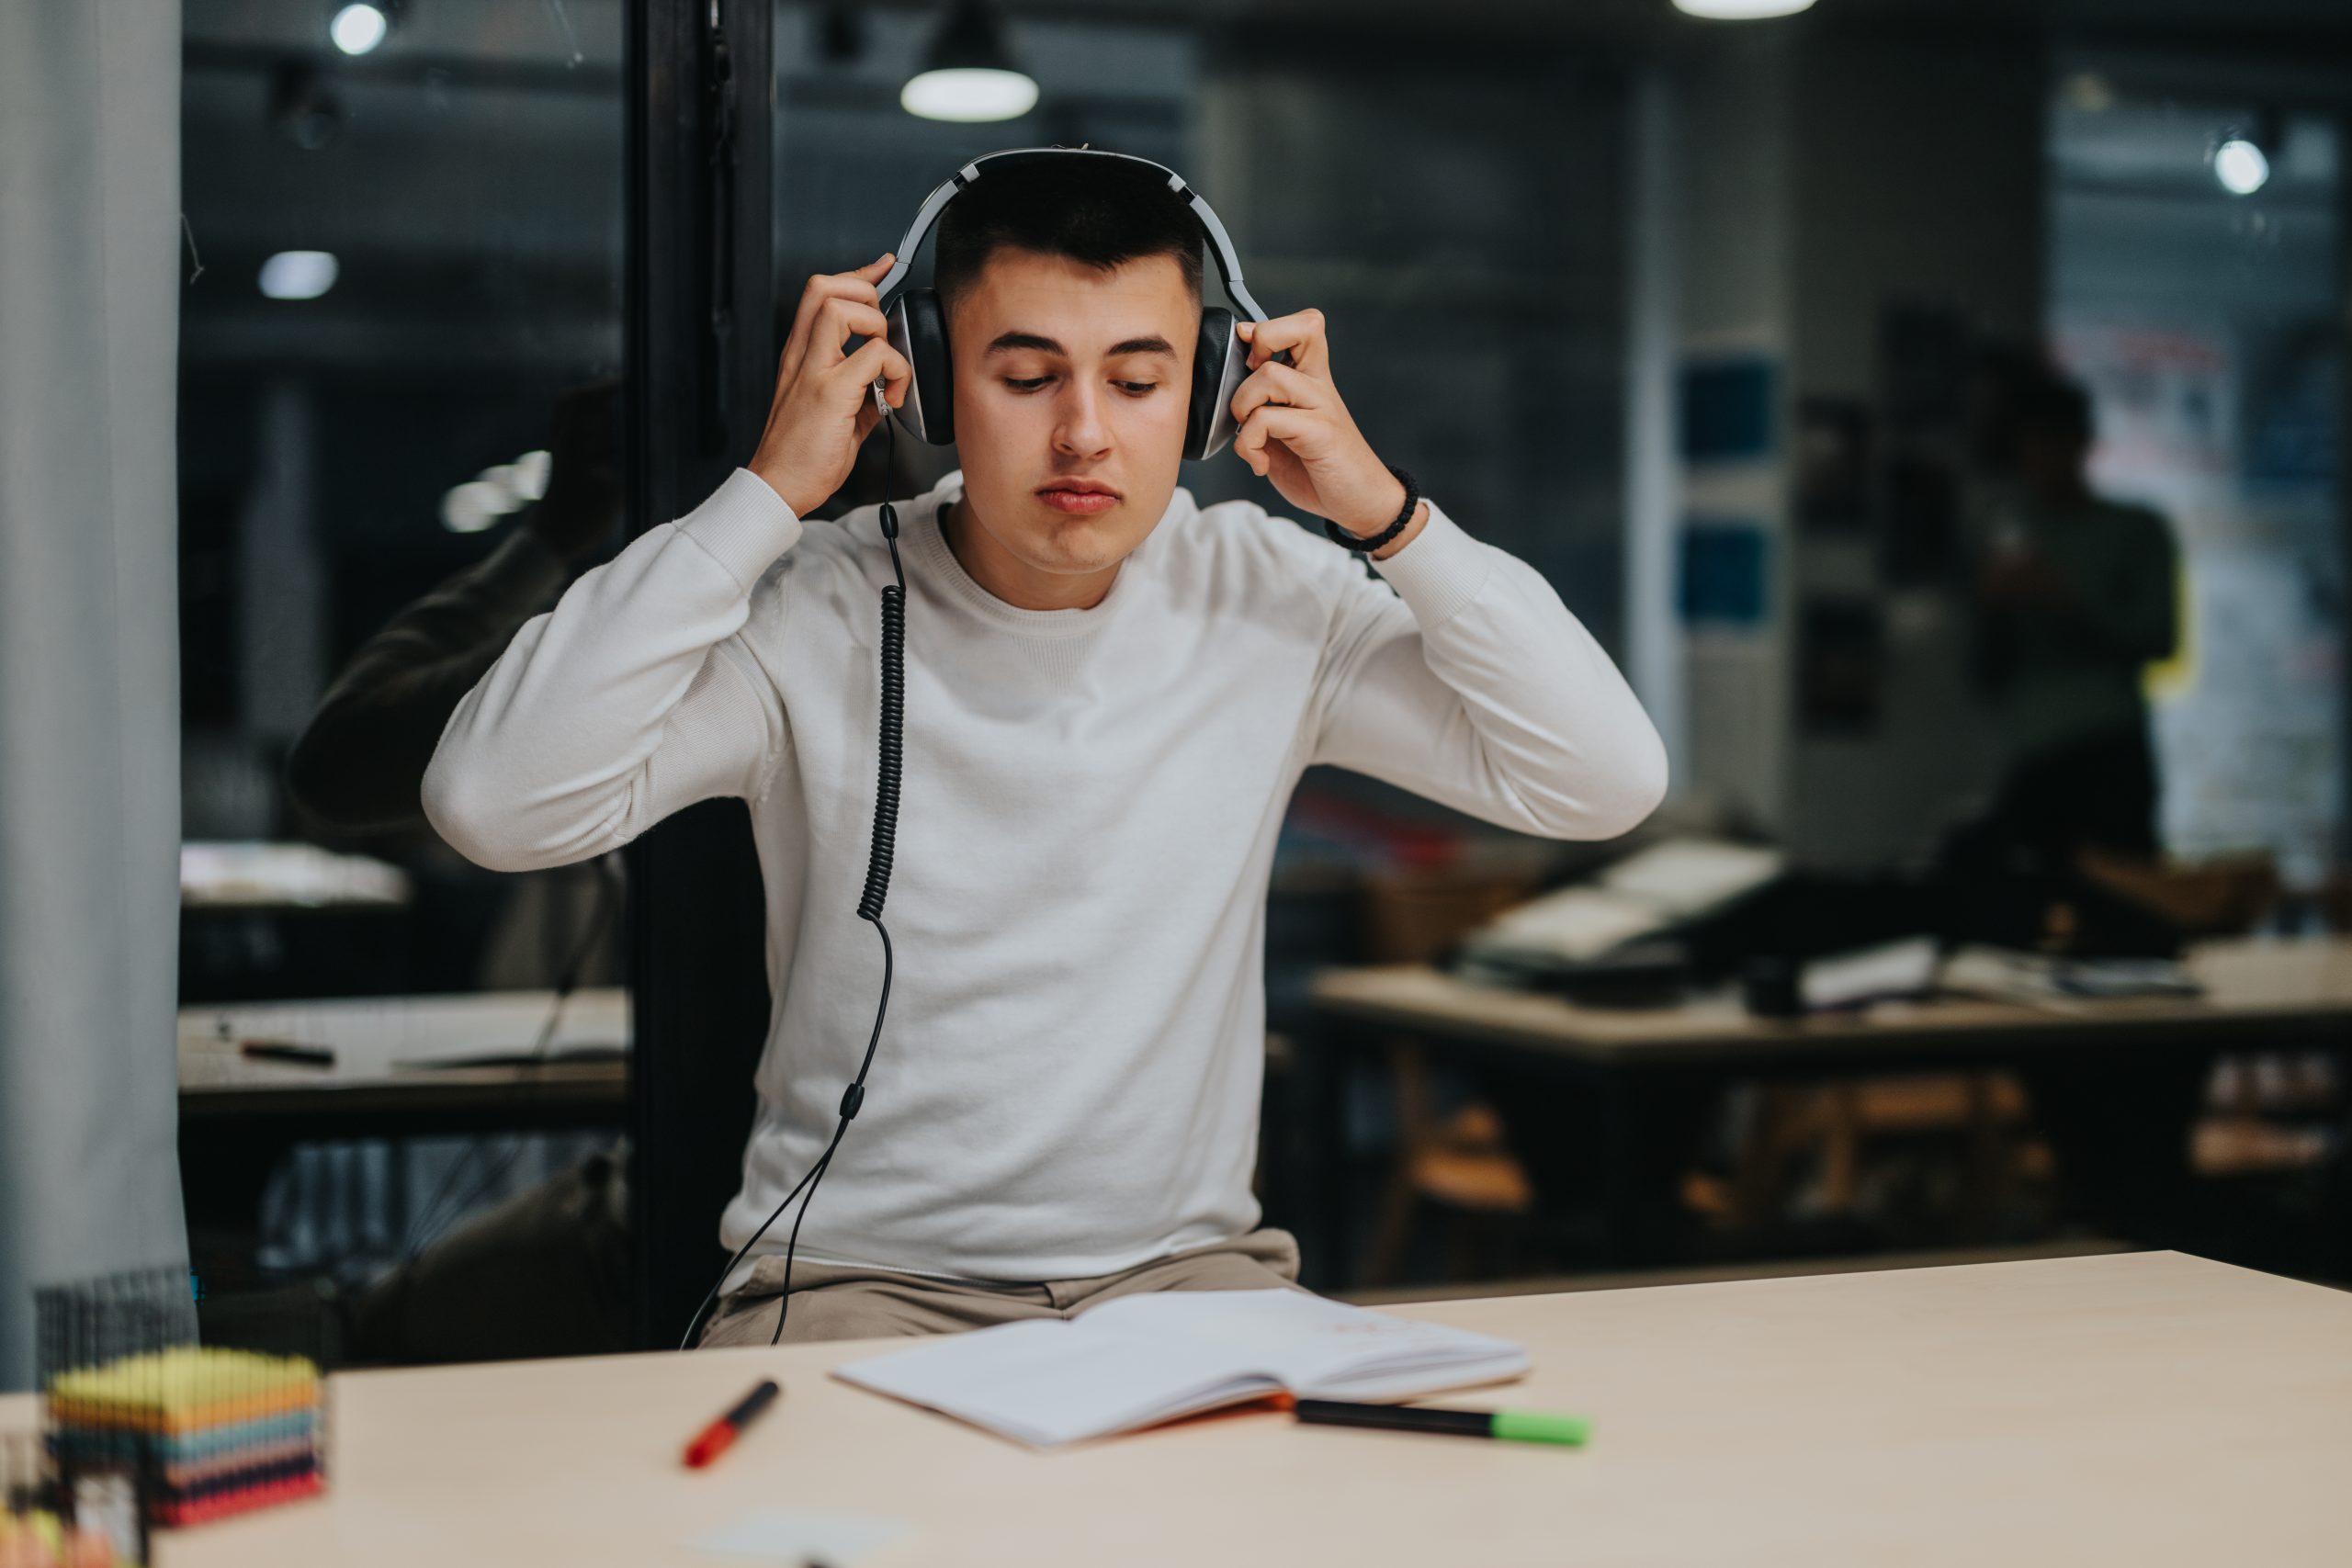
{"x": 1011, "y": 578}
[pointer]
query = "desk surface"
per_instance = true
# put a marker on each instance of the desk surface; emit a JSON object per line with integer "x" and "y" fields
{"x": 2286, "y": 987}
{"x": 391, "y": 1054}
{"x": 2147, "y": 1408}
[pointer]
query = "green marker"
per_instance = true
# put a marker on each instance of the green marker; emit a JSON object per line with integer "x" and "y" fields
{"x": 1512, "y": 1426}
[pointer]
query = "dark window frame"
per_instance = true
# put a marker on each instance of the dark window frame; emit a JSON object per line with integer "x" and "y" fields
{"x": 701, "y": 301}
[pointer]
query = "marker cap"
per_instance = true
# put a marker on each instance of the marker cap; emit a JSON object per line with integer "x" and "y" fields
{"x": 1540, "y": 1427}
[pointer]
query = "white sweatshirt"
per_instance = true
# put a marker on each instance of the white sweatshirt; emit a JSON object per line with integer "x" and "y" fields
{"x": 1068, "y": 1082}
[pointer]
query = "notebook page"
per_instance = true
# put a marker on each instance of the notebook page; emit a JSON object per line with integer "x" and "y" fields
{"x": 1047, "y": 1383}
{"x": 1312, "y": 1345}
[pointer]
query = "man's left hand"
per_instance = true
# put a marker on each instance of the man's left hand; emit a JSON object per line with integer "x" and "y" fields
{"x": 1297, "y": 431}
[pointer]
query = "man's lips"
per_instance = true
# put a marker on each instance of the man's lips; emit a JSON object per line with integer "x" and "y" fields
{"x": 1079, "y": 498}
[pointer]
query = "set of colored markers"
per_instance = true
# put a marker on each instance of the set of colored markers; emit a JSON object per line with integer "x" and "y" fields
{"x": 143, "y": 1427}
{"x": 203, "y": 1433}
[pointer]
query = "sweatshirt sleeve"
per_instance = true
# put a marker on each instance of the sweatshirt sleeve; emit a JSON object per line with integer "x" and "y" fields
{"x": 632, "y": 699}
{"x": 1472, "y": 684}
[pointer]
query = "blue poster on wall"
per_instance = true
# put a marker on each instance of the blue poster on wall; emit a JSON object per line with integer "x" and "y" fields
{"x": 1730, "y": 410}
{"x": 1722, "y": 576}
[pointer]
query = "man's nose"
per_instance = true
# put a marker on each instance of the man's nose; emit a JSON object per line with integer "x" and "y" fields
{"x": 1079, "y": 430}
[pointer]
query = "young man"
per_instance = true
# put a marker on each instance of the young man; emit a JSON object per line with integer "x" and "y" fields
{"x": 1111, "y": 694}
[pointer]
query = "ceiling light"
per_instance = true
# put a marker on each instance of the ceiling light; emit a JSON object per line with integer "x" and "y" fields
{"x": 2241, "y": 166}
{"x": 299, "y": 275}
{"x": 497, "y": 490}
{"x": 528, "y": 474}
{"x": 968, "y": 95}
{"x": 1740, "y": 10}
{"x": 967, "y": 75}
{"x": 473, "y": 506}
{"x": 502, "y": 477}
{"x": 356, "y": 29}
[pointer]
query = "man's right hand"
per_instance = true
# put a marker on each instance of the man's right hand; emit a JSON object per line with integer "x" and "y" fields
{"x": 824, "y": 408}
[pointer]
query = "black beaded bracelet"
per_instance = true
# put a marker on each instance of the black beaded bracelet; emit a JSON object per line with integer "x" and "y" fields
{"x": 1340, "y": 536}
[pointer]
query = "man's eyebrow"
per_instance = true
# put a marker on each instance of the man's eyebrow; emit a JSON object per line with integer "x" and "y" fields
{"x": 1005, "y": 342}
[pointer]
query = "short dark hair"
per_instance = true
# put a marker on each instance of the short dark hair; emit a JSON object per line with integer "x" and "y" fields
{"x": 1100, "y": 211}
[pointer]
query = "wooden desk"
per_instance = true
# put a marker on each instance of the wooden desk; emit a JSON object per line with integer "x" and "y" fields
{"x": 2149, "y": 1408}
{"x": 1647, "y": 1074}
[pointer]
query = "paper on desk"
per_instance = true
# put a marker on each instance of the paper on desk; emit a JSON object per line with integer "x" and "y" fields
{"x": 1638, "y": 898}
{"x": 1687, "y": 875}
{"x": 2040, "y": 979}
{"x": 1575, "y": 923}
{"x": 802, "y": 1534}
{"x": 1902, "y": 968}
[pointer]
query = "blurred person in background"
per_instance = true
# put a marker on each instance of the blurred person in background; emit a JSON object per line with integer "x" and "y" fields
{"x": 357, "y": 763}
{"x": 544, "y": 1272}
{"x": 2075, "y": 597}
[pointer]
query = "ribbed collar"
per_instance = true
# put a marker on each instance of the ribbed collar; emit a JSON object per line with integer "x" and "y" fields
{"x": 931, "y": 547}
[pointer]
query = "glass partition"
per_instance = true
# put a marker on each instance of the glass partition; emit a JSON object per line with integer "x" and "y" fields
{"x": 400, "y": 357}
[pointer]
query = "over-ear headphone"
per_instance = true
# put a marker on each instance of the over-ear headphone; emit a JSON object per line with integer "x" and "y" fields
{"x": 918, "y": 325}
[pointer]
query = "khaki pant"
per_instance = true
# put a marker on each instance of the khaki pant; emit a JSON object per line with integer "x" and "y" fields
{"x": 833, "y": 1301}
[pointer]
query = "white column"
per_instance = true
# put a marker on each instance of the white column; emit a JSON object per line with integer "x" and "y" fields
{"x": 1654, "y": 662}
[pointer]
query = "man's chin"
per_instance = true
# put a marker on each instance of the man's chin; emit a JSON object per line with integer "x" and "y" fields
{"x": 1111, "y": 532}
{"x": 1065, "y": 560}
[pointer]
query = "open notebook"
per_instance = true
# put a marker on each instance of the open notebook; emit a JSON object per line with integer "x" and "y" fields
{"x": 1146, "y": 1359}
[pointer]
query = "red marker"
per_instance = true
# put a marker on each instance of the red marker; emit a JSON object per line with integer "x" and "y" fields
{"x": 720, "y": 1435}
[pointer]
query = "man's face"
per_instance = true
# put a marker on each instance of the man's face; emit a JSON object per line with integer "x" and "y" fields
{"x": 1071, "y": 387}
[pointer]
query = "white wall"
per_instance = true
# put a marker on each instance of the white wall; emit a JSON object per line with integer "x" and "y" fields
{"x": 1823, "y": 177}
{"x": 1919, "y": 178}
{"x": 1735, "y": 228}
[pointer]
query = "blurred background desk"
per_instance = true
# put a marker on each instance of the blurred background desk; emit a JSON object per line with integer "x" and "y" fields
{"x": 2277, "y": 990}
{"x": 405, "y": 1069}
{"x": 408, "y": 1064}
{"x": 1651, "y": 1072}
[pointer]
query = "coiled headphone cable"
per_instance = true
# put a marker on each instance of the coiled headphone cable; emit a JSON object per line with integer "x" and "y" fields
{"x": 892, "y": 756}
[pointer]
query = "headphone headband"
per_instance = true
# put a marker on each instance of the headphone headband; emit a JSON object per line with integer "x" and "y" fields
{"x": 1229, "y": 265}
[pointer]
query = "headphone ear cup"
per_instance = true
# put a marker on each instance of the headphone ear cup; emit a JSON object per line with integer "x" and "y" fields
{"x": 1220, "y": 361}
{"x": 919, "y": 331}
